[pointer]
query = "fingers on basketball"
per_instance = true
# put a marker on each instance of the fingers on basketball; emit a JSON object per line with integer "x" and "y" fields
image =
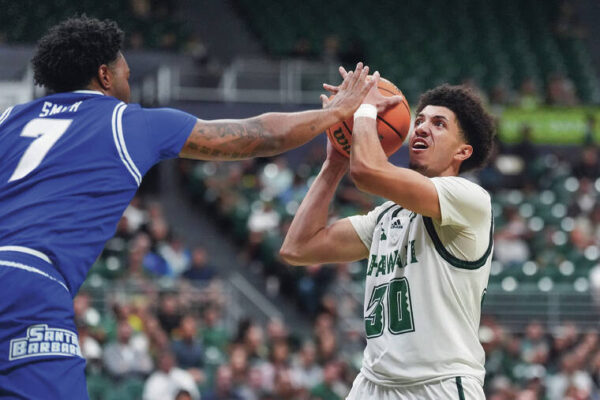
{"x": 392, "y": 125}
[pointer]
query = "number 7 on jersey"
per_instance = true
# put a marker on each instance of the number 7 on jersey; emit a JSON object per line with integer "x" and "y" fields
{"x": 47, "y": 132}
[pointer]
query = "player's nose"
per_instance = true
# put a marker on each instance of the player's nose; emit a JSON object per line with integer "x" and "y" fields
{"x": 423, "y": 130}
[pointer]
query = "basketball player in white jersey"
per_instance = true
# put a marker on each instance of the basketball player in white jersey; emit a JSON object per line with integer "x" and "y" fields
{"x": 429, "y": 247}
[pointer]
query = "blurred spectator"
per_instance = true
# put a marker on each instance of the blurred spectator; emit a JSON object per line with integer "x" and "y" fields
{"x": 183, "y": 395}
{"x": 200, "y": 270}
{"x": 284, "y": 388}
{"x": 175, "y": 254}
{"x": 306, "y": 372}
{"x": 128, "y": 356}
{"x": 252, "y": 340}
{"x": 188, "y": 350}
{"x": 276, "y": 330}
{"x": 529, "y": 98}
{"x": 169, "y": 313}
{"x": 500, "y": 97}
{"x": 196, "y": 48}
{"x": 510, "y": 246}
{"x": 569, "y": 380}
{"x": 169, "y": 380}
{"x": 561, "y": 91}
{"x": 224, "y": 389}
{"x": 588, "y": 165}
{"x": 263, "y": 218}
{"x": 534, "y": 341}
{"x": 213, "y": 333}
{"x": 135, "y": 215}
{"x": 90, "y": 347}
{"x": 330, "y": 388}
{"x": 327, "y": 346}
{"x": 239, "y": 364}
{"x": 295, "y": 192}
{"x": 278, "y": 363}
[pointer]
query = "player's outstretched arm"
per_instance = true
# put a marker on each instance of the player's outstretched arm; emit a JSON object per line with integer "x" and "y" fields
{"x": 310, "y": 240}
{"x": 373, "y": 173}
{"x": 274, "y": 133}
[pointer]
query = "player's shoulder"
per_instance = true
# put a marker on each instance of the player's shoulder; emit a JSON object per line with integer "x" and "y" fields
{"x": 379, "y": 211}
{"x": 460, "y": 183}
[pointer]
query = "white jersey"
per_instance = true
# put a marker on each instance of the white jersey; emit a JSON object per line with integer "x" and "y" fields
{"x": 425, "y": 283}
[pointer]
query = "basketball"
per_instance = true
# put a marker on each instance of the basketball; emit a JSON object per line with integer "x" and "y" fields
{"x": 392, "y": 125}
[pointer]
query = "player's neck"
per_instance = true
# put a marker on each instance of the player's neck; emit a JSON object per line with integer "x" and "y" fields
{"x": 449, "y": 172}
{"x": 452, "y": 170}
{"x": 96, "y": 87}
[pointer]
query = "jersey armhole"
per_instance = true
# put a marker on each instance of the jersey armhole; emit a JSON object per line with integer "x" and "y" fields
{"x": 453, "y": 260}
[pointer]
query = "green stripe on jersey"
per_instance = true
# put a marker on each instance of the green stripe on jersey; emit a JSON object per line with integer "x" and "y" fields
{"x": 383, "y": 213}
{"x": 459, "y": 387}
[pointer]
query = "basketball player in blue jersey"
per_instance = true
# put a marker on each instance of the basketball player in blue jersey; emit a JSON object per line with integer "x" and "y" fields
{"x": 71, "y": 162}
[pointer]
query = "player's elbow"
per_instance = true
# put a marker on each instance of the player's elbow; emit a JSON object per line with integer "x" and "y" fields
{"x": 291, "y": 255}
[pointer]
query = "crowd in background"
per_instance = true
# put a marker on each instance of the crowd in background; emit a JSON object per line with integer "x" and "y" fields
{"x": 153, "y": 324}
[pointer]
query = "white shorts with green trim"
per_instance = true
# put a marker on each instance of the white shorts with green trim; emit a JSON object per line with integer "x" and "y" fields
{"x": 457, "y": 388}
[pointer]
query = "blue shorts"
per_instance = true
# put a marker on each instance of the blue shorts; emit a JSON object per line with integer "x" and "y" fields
{"x": 39, "y": 347}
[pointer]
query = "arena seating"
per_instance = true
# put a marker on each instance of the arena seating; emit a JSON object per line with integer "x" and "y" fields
{"x": 493, "y": 42}
{"x": 147, "y": 25}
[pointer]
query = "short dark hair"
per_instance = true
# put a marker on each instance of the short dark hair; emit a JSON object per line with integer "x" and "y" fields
{"x": 69, "y": 55}
{"x": 476, "y": 124}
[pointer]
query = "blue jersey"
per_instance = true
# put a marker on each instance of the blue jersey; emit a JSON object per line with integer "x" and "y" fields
{"x": 69, "y": 165}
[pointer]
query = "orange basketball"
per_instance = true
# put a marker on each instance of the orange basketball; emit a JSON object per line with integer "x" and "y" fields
{"x": 392, "y": 125}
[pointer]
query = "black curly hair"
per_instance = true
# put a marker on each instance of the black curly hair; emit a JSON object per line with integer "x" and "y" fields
{"x": 475, "y": 123}
{"x": 69, "y": 55}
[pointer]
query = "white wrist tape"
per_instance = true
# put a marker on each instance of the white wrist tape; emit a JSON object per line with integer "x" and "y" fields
{"x": 366, "y": 110}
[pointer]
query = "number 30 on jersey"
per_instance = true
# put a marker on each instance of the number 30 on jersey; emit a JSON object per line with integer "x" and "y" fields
{"x": 398, "y": 306}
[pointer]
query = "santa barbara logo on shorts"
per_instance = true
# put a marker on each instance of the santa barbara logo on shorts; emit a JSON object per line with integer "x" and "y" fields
{"x": 42, "y": 340}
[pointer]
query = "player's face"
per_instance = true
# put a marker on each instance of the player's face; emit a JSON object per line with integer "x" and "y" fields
{"x": 120, "y": 74}
{"x": 437, "y": 144}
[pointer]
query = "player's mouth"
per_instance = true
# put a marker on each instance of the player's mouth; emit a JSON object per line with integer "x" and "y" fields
{"x": 418, "y": 145}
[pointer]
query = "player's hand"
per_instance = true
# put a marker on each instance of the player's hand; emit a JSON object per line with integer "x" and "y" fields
{"x": 335, "y": 158}
{"x": 350, "y": 94}
{"x": 377, "y": 99}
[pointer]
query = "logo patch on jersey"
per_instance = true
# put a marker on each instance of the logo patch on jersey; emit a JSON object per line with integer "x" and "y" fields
{"x": 397, "y": 224}
{"x": 383, "y": 236}
{"x": 42, "y": 340}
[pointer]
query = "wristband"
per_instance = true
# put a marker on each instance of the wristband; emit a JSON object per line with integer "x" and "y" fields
{"x": 366, "y": 110}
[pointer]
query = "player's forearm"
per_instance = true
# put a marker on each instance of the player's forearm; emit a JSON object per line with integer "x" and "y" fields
{"x": 290, "y": 130}
{"x": 373, "y": 173}
{"x": 302, "y": 244}
{"x": 367, "y": 155}
{"x": 266, "y": 135}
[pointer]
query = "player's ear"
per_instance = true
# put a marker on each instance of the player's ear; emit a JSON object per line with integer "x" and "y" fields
{"x": 463, "y": 152}
{"x": 104, "y": 76}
